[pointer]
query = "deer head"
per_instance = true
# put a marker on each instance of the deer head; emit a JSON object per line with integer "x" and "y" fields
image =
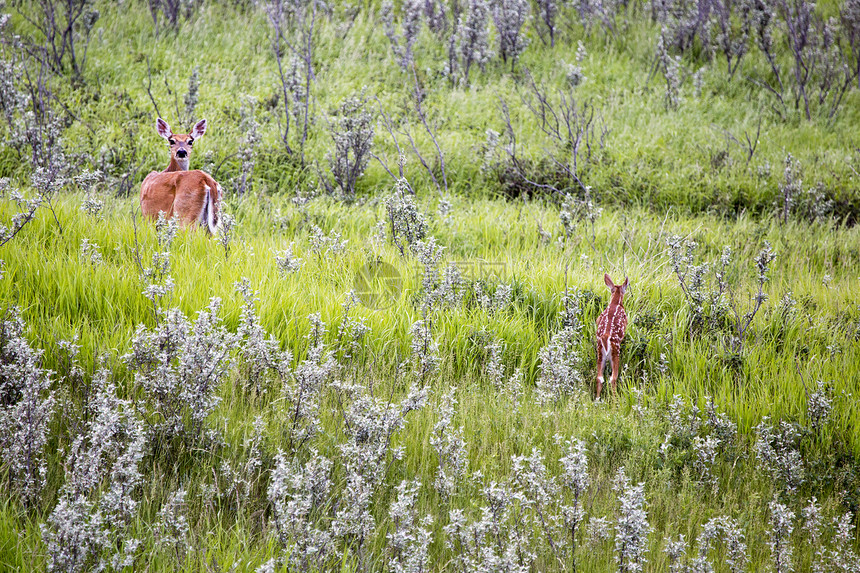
{"x": 180, "y": 144}
{"x": 617, "y": 291}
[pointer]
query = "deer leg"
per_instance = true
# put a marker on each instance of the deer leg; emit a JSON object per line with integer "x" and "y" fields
{"x": 616, "y": 362}
{"x": 601, "y": 364}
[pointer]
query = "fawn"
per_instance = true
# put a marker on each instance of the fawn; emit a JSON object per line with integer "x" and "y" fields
{"x": 611, "y": 326}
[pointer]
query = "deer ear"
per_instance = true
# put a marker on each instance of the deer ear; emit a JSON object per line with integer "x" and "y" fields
{"x": 199, "y": 129}
{"x": 608, "y": 281}
{"x": 624, "y": 285}
{"x": 162, "y": 128}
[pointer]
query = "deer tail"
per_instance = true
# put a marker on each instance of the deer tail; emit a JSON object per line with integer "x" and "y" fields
{"x": 216, "y": 209}
{"x": 603, "y": 347}
{"x": 207, "y": 214}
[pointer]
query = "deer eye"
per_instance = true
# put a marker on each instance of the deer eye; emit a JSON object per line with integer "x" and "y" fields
{"x": 171, "y": 141}
{"x": 190, "y": 141}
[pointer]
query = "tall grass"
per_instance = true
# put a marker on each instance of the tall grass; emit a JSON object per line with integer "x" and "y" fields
{"x": 63, "y": 295}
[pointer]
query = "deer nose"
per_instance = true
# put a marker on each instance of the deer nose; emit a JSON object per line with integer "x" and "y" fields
{"x": 181, "y": 154}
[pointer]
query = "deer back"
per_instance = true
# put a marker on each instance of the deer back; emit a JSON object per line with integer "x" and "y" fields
{"x": 612, "y": 324}
{"x": 180, "y": 193}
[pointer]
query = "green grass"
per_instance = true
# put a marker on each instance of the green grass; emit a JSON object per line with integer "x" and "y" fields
{"x": 653, "y": 156}
{"x": 61, "y": 295}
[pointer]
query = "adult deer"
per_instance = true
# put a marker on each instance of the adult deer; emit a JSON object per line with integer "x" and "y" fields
{"x": 611, "y": 326}
{"x": 193, "y": 196}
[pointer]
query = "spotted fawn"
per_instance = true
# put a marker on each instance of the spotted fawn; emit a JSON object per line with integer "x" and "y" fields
{"x": 611, "y": 325}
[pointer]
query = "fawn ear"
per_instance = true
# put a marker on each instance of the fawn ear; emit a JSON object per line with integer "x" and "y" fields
{"x": 162, "y": 128}
{"x": 624, "y": 285}
{"x": 199, "y": 129}
{"x": 608, "y": 281}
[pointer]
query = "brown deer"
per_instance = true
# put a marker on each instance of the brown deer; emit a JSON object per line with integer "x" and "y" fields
{"x": 193, "y": 196}
{"x": 611, "y": 326}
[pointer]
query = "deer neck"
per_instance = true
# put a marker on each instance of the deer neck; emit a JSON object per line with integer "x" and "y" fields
{"x": 617, "y": 300}
{"x": 177, "y": 164}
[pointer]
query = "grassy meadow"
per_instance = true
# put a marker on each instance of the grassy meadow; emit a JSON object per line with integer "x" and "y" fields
{"x": 472, "y": 380}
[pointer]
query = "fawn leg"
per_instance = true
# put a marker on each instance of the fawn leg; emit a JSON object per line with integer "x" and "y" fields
{"x": 616, "y": 362}
{"x": 601, "y": 364}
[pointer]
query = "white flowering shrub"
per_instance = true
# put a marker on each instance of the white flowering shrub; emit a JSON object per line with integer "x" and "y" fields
{"x": 632, "y": 527}
{"x": 403, "y": 44}
{"x": 574, "y": 479}
{"x": 502, "y": 298}
{"x": 510, "y": 16}
{"x": 303, "y": 389}
{"x": 171, "y": 528}
{"x": 841, "y": 555}
{"x": 728, "y": 531}
{"x": 178, "y": 366}
{"x": 90, "y": 252}
{"x": 91, "y": 204}
{"x": 473, "y": 44}
{"x": 514, "y": 389}
{"x": 239, "y": 480}
{"x": 574, "y": 75}
{"x": 538, "y": 492}
{"x": 225, "y": 232}
{"x": 89, "y": 527}
{"x": 429, "y": 255}
{"x": 779, "y": 537}
{"x": 697, "y": 441}
{"x": 494, "y": 369}
{"x": 450, "y": 447}
{"x": 777, "y": 453}
{"x": 818, "y": 407}
{"x": 676, "y": 551}
{"x": 407, "y": 224}
{"x": 492, "y": 542}
{"x": 409, "y": 541}
{"x": 674, "y": 73}
{"x": 259, "y": 354}
{"x": 575, "y": 210}
{"x": 287, "y": 262}
{"x": 299, "y": 494}
{"x": 369, "y": 424}
{"x": 721, "y": 426}
{"x": 684, "y": 424}
{"x": 353, "y": 523}
{"x": 425, "y": 349}
{"x": 156, "y": 278}
{"x": 324, "y": 246}
{"x": 691, "y": 277}
{"x": 25, "y": 211}
{"x": 560, "y": 361}
{"x": 32, "y": 125}
{"x": 27, "y": 406}
{"x": 352, "y": 331}
{"x": 351, "y": 128}
{"x": 712, "y": 302}
{"x": 705, "y": 456}
{"x": 598, "y": 531}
